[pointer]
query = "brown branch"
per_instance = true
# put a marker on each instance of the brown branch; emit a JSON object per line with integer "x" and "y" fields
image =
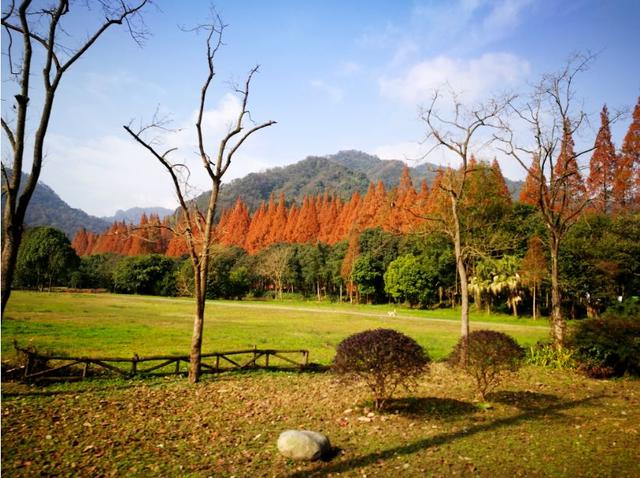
{"x": 9, "y": 133}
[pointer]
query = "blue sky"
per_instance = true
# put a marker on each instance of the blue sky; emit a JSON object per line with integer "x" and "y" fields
{"x": 334, "y": 75}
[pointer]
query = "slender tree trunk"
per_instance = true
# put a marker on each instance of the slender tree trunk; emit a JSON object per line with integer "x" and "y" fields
{"x": 535, "y": 311}
{"x": 557, "y": 321}
{"x": 198, "y": 325}
{"x": 462, "y": 272}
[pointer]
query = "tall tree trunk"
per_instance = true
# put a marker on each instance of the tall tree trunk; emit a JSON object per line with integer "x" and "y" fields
{"x": 535, "y": 305}
{"x": 462, "y": 272}
{"x": 198, "y": 325}
{"x": 557, "y": 321}
{"x": 10, "y": 245}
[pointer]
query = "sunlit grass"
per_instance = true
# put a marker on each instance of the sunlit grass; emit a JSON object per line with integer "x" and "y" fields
{"x": 121, "y": 325}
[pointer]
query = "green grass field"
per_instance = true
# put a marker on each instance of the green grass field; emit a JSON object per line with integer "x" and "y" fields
{"x": 121, "y": 325}
{"x": 540, "y": 423}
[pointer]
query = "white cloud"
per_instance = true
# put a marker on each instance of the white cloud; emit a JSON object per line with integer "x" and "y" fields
{"x": 334, "y": 93}
{"x": 349, "y": 68}
{"x": 101, "y": 175}
{"x": 408, "y": 151}
{"x": 473, "y": 78}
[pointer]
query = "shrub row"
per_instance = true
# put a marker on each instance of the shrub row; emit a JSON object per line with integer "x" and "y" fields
{"x": 386, "y": 360}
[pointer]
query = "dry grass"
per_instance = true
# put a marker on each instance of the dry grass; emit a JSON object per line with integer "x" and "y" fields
{"x": 541, "y": 423}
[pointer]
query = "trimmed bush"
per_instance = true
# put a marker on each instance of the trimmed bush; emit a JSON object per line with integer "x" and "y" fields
{"x": 489, "y": 356}
{"x": 383, "y": 359}
{"x": 607, "y": 347}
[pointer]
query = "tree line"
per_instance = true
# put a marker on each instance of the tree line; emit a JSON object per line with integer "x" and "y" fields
{"x": 599, "y": 261}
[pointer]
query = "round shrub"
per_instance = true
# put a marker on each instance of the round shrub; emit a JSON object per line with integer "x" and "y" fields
{"x": 607, "y": 347}
{"x": 489, "y": 355}
{"x": 382, "y": 358}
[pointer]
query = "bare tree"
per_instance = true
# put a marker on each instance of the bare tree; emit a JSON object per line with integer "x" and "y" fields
{"x": 458, "y": 134}
{"x": 39, "y": 28}
{"x": 551, "y": 117}
{"x": 197, "y": 226}
{"x": 274, "y": 264}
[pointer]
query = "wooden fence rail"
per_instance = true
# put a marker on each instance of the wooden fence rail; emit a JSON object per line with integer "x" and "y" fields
{"x": 49, "y": 367}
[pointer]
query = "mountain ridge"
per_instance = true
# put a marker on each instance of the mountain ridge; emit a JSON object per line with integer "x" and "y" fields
{"x": 342, "y": 173}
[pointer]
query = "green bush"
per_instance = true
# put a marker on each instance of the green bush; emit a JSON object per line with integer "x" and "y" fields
{"x": 151, "y": 275}
{"x": 489, "y": 355}
{"x": 630, "y": 309}
{"x": 382, "y": 358}
{"x": 547, "y": 355}
{"x": 607, "y": 347}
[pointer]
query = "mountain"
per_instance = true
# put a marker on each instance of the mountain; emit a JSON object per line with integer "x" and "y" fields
{"x": 342, "y": 173}
{"x": 311, "y": 176}
{"x": 134, "y": 214}
{"x": 389, "y": 170}
{"x": 46, "y": 208}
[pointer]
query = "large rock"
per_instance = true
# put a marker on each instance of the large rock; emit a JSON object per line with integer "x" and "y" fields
{"x": 303, "y": 444}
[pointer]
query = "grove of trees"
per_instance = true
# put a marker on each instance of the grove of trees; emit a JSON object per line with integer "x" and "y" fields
{"x": 380, "y": 248}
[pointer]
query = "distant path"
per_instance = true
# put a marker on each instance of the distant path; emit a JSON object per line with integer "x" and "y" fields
{"x": 329, "y": 310}
{"x": 253, "y": 305}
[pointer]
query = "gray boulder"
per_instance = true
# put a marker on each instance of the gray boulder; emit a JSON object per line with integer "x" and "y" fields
{"x": 303, "y": 445}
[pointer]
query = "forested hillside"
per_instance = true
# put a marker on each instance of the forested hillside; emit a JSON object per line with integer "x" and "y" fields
{"x": 340, "y": 174}
{"x": 48, "y": 209}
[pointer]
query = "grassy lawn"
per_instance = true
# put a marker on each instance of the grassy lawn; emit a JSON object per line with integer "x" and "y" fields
{"x": 541, "y": 423}
{"x": 120, "y": 325}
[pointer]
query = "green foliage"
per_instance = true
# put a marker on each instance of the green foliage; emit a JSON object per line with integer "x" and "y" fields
{"x": 96, "y": 272}
{"x": 382, "y": 358}
{"x": 629, "y": 309}
{"x": 600, "y": 260}
{"x": 547, "y": 355}
{"x": 377, "y": 250}
{"x": 497, "y": 278}
{"x": 367, "y": 273}
{"x": 224, "y": 279}
{"x": 486, "y": 356}
{"x": 406, "y": 279}
{"x": 151, "y": 275}
{"x": 45, "y": 258}
{"x": 607, "y": 347}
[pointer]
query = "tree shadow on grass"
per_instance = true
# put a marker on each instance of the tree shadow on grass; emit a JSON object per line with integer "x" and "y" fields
{"x": 549, "y": 412}
{"x": 88, "y": 386}
{"x": 429, "y": 407}
{"x": 527, "y": 401}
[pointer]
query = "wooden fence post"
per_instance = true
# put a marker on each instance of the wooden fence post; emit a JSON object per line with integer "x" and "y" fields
{"x": 29, "y": 366}
{"x": 134, "y": 365}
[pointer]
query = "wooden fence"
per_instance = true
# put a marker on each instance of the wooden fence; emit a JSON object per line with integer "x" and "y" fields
{"x": 59, "y": 367}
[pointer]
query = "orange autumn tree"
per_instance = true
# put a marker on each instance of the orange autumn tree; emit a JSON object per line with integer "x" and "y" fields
{"x": 535, "y": 184}
{"x": 602, "y": 167}
{"x": 626, "y": 186}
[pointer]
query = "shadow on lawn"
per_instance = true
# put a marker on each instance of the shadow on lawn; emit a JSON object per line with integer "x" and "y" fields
{"x": 527, "y": 401}
{"x": 430, "y": 407}
{"x": 550, "y": 411}
{"x": 86, "y": 387}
